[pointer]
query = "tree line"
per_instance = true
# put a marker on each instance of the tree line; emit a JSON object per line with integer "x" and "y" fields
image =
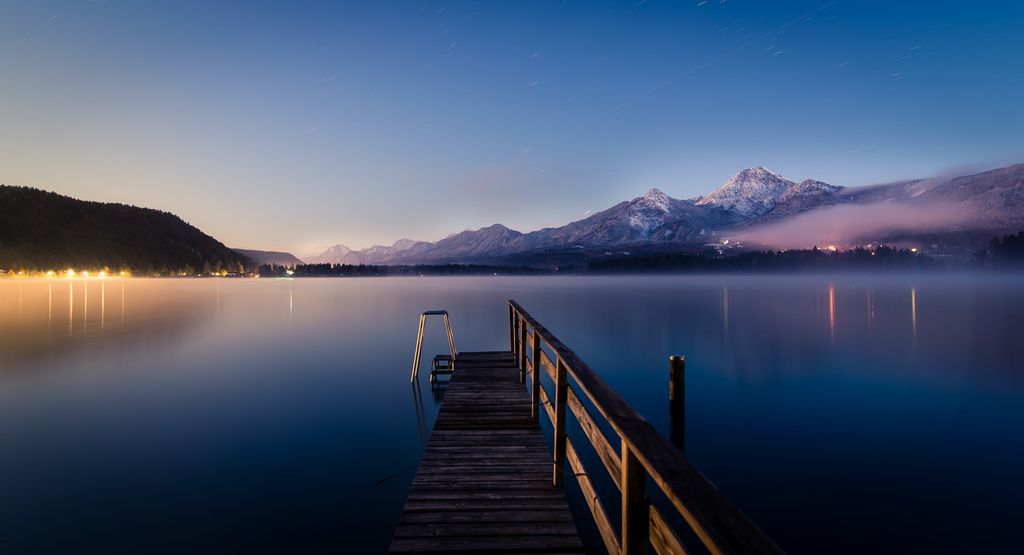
{"x": 374, "y": 270}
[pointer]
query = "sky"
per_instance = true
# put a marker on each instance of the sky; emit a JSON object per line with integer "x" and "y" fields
{"x": 298, "y": 125}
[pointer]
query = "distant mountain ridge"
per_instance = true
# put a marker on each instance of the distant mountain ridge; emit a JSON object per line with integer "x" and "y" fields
{"x": 271, "y": 257}
{"x": 751, "y": 198}
{"x": 44, "y": 231}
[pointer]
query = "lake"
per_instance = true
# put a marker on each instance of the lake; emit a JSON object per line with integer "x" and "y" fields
{"x": 843, "y": 414}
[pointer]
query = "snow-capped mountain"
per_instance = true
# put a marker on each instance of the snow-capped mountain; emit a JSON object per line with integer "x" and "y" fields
{"x": 752, "y": 197}
{"x": 494, "y": 240}
{"x": 750, "y": 193}
{"x": 377, "y": 254}
{"x": 801, "y": 197}
{"x": 338, "y": 254}
{"x": 653, "y": 216}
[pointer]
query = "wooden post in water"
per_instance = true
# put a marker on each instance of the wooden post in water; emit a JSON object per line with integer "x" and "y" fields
{"x": 677, "y": 400}
{"x": 535, "y": 376}
{"x": 561, "y": 400}
{"x": 635, "y": 526}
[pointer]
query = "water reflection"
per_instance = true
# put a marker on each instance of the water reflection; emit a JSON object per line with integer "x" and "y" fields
{"x": 418, "y": 407}
{"x": 871, "y": 306}
{"x": 71, "y": 308}
{"x": 832, "y": 311}
{"x": 31, "y": 334}
{"x": 913, "y": 311}
{"x": 201, "y": 421}
{"x": 725, "y": 309}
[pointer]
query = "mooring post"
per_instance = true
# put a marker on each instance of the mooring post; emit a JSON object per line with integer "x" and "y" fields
{"x": 677, "y": 400}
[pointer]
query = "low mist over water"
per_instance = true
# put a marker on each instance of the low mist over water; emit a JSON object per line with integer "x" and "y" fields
{"x": 841, "y": 413}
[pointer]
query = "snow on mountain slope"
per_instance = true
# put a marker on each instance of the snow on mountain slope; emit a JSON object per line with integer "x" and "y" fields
{"x": 465, "y": 246}
{"x": 750, "y": 193}
{"x": 801, "y": 197}
{"x": 649, "y": 211}
{"x": 338, "y": 254}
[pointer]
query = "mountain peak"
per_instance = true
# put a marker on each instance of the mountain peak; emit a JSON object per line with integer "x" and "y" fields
{"x": 403, "y": 244}
{"x": 339, "y": 248}
{"x": 657, "y": 199}
{"x": 751, "y": 192}
{"x": 756, "y": 172}
{"x": 338, "y": 254}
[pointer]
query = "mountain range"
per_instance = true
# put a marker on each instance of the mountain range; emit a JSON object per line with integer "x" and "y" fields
{"x": 757, "y": 205}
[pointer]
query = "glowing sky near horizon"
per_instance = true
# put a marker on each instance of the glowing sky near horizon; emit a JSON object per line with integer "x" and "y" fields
{"x": 294, "y": 127}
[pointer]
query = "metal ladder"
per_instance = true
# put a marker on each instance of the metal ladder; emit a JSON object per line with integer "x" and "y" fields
{"x": 436, "y": 367}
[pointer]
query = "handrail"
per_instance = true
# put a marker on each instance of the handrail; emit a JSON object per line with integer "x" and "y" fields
{"x": 419, "y": 340}
{"x": 719, "y": 525}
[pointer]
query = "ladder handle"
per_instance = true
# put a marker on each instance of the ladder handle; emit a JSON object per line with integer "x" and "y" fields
{"x": 416, "y": 357}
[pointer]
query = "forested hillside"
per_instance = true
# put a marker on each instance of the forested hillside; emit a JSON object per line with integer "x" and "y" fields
{"x": 42, "y": 231}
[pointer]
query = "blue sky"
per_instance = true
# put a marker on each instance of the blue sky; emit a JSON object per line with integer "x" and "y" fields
{"x": 294, "y": 126}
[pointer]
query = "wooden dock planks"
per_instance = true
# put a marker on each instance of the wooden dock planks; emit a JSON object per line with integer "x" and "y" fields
{"x": 484, "y": 483}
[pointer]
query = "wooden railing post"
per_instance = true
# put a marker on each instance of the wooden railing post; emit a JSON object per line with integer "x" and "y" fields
{"x": 522, "y": 350}
{"x": 511, "y": 329}
{"x": 535, "y": 376}
{"x": 561, "y": 400}
{"x": 635, "y": 510}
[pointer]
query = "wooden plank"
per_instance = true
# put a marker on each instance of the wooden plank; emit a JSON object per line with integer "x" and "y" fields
{"x": 479, "y": 528}
{"x": 548, "y": 365}
{"x": 484, "y": 544}
{"x": 484, "y": 482}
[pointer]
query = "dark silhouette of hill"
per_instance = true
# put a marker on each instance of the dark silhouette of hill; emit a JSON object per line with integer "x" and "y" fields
{"x": 274, "y": 258}
{"x": 42, "y": 231}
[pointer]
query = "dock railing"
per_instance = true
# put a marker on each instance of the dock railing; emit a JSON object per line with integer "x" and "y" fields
{"x": 643, "y": 453}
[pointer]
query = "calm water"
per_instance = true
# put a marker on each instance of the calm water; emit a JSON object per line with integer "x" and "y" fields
{"x": 842, "y": 413}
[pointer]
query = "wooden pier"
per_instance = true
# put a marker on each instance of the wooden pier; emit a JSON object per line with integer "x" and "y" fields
{"x": 490, "y": 483}
{"x": 484, "y": 484}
